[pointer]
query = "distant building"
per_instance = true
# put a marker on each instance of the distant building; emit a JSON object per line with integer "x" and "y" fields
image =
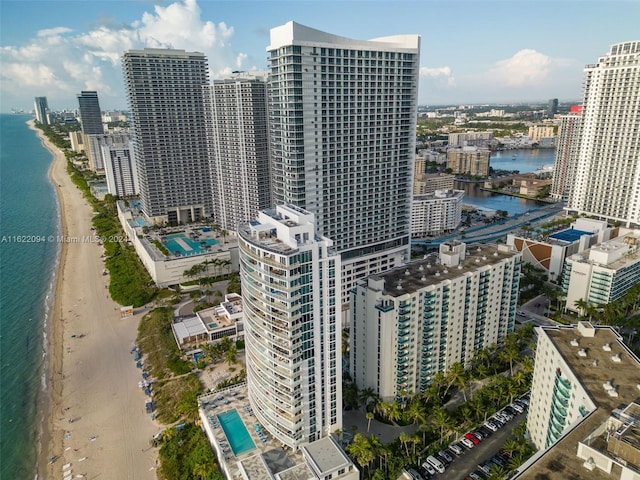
{"x": 469, "y": 161}
{"x": 566, "y": 155}
{"x": 603, "y": 273}
{"x": 168, "y": 131}
{"x": 426, "y": 183}
{"x": 93, "y": 151}
{"x": 119, "y": 164}
{"x": 238, "y": 136}
{"x": 77, "y": 142}
{"x": 42, "y": 110}
{"x": 292, "y": 318}
{"x": 552, "y": 107}
{"x": 606, "y": 179}
{"x": 550, "y": 252}
{"x": 583, "y": 415}
{"x": 480, "y": 139}
{"x": 532, "y": 187}
{"x": 436, "y": 213}
{"x": 538, "y": 132}
{"x": 90, "y": 114}
{"x": 419, "y": 319}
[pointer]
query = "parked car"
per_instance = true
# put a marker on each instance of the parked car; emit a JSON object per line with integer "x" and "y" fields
{"x": 485, "y": 431}
{"x": 521, "y": 313}
{"x": 446, "y": 456}
{"x": 491, "y": 426}
{"x": 472, "y": 437}
{"x": 429, "y": 468}
{"x": 478, "y": 434}
{"x": 510, "y": 410}
{"x": 524, "y": 400}
{"x": 423, "y": 471}
{"x": 522, "y": 403}
{"x": 455, "y": 448}
{"x": 498, "y": 461}
{"x": 507, "y": 414}
{"x": 467, "y": 443}
{"x": 517, "y": 407}
{"x": 498, "y": 421}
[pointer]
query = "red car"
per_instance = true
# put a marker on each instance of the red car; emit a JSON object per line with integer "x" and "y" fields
{"x": 472, "y": 437}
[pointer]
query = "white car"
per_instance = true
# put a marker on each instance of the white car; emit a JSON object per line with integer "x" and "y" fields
{"x": 429, "y": 468}
{"x": 455, "y": 448}
{"x": 516, "y": 407}
{"x": 467, "y": 443}
{"x": 491, "y": 426}
{"x": 521, "y": 313}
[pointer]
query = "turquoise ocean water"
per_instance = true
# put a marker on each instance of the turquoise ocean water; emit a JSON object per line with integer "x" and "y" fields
{"x": 28, "y": 214}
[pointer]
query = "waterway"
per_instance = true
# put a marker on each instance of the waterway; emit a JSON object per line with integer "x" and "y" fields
{"x": 524, "y": 161}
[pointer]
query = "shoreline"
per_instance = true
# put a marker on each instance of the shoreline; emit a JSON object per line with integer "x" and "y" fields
{"x": 93, "y": 409}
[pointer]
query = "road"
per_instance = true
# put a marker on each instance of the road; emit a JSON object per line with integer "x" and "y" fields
{"x": 470, "y": 459}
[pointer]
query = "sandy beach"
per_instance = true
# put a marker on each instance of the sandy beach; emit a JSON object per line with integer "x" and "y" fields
{"x": 96, "y": 420}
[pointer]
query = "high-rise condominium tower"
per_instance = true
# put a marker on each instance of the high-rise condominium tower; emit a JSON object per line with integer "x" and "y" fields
{"x": 566, "y": 155}
{"x": 607, "y": 170}
{"x": 290, "y": 282}
{"x": 238, "y": 135}
{"x": 90, "y": 114}
{"x": 343, "y": 119}
{"x": 42, "y": 108}
{"x": 164, "y": 91}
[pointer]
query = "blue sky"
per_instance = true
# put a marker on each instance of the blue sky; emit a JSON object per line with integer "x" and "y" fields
{"x": 472, "y": 51}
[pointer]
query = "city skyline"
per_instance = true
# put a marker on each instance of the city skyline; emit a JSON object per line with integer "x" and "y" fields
{"x": 486, "y": 53}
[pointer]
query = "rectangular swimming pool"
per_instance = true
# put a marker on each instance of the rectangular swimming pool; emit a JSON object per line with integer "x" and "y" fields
{"x": 181, "y": 244}
{"x": 236, "y": 432}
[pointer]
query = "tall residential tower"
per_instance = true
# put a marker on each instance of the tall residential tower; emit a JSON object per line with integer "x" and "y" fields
{"x": 290, "y": 286}
{"x": 238, "y": 135}
{"x": 90, "y": 114}
{"x": 42, "y": 109}
{"x": 343, "y": 119}
{"x": 164, "y": 91}
{"x": 607, "y": 171}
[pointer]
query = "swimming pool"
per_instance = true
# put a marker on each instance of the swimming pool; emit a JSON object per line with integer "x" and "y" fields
{"x": 236, "y": 432}
{"x": 183, "y": 245}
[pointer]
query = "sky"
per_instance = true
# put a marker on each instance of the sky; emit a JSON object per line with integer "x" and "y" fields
{"x": 472, "y": 52}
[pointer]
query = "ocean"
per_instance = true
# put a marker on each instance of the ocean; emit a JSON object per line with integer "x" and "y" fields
{"x": 29, "y": 213}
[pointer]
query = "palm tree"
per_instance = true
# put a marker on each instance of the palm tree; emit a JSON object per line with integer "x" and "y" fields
{"x": 230, "y": 356}
{"x": 361, "y": 450}
{"x": 369, "y": 416}
{"x": 457, "y": 377}
{"x": 441, "y": 419}
{"x": 510, "y": 353}
{"x": 366, "y": 395}
{"x": 416, "y": 411}
{"x": 394, "y": 413}
{"x": 404, "y": 440}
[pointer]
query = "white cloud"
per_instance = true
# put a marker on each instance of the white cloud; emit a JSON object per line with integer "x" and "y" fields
{"x": 443, "y": 75}
{"x": 48, "y": 32}
{"x": 526, "y": 68}
{"x": 59, "y": 64}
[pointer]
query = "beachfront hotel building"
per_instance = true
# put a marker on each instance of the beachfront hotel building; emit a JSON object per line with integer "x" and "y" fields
{"x": 436, "y": 213}
{"x": 419, "y": 319}
{"x": 603, "y": 273}
{"x": 168, "y": 130}
{"x": 583, "y": 418}
{"x": 290, "y": 290}
{"x": 606, "y": 180}
{"x": 343, "y": 120}
{"x": 566, "y": 154}
{"x": 238, "y": 136}
{"x": 119, "y": 164}
{"x": 41, "y": 108}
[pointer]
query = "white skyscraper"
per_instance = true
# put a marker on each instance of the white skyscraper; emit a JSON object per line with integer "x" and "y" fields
{"x": 343, "y": 119}
{"x": 607, "y": 170}
{"x": 238, "y": 136}
{"x": 119, "y": 164}
{"x": 566, "y": 154}
{"x": 290, "y": 291}
{"x": 164, "y": 91}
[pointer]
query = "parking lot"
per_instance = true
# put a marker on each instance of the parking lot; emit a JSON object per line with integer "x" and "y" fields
{"x": 469, "y": 460}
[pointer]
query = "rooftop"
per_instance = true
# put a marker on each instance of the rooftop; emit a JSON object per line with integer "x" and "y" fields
{"x": 418, "y": 274}
{"x": 325, "y": 456}
{"x": 594, "y": 370}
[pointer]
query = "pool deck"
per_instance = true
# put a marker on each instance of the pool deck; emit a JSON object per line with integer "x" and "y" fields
{"x": 222, "y": 401}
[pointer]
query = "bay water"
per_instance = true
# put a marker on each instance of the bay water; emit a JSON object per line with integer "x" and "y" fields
{"x": 29, "y": 213}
